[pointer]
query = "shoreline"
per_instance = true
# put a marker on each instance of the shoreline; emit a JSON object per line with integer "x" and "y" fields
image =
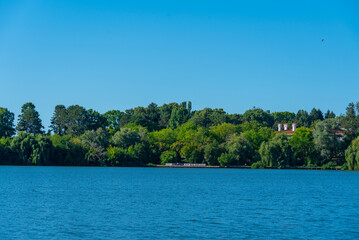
{"x": 181, "y": 166}
{"x": 249, "y": 167}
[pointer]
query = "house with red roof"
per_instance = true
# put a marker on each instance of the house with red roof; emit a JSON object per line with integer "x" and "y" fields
{"x": 285, "y": 129}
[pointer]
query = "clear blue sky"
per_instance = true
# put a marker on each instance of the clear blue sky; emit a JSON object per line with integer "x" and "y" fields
{"x": 233, "y": 54}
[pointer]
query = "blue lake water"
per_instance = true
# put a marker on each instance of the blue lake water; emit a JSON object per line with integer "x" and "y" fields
{"x": 153, "y": 203}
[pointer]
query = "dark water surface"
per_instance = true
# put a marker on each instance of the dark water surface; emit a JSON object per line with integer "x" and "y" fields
{"x": 152, "y": 203}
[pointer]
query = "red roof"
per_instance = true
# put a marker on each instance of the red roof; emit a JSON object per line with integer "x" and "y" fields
{"x": 289, "y": 131}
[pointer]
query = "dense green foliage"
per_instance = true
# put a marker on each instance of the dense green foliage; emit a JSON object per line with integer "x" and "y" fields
{"x": 327, "y": 142}
{"x": 277, "y": 152}
{"x": 29, "y": 119}
{"x": 6, "y": 123}
{"x": 352, "y": 155}
{"x": 303, "y": 145}
{"x": 173, "y": 133}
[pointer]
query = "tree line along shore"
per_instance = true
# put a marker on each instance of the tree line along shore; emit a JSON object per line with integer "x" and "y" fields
{"x": 174, "y": 133}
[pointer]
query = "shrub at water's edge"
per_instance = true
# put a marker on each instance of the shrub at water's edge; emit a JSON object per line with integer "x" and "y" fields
{"x": 352, "y": 155}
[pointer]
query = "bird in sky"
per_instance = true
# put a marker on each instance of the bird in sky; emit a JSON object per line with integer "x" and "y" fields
{"x": 322, "y": 39}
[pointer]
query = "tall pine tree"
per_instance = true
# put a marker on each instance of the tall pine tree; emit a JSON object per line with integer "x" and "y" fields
{"x": 29, "y": 119}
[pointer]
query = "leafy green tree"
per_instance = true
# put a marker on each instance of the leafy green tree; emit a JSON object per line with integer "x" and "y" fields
{"x": 192, "y": 153}
{"x": 2, "y": 154}
{"x": 208, "y": 117}
{"x": 126, "y": 118}
{"x": 350, "y": 110}
{"x": 277, "y": 152}
{"x": 226, "y": 159}
{"x": 351, "y": 121}
{"x": 283, "y": 117}
{"x": 24, "y": 144}
{"x": 116, "y": 156}
{"x": 68, "y": 151}
{"x": 32, "y": 150}
{"x": 7, "y": 156}
{"x": 329, "y": 114}
{"x": 235, "y": 119}
{"x": 177, "y": 147}
{"x": 29, "y": 120}
{"x": 153, "y": 116}
{"x": 241, "y": 150}
{"x": 302, "y": 142}
{"x": 140, "y": 153}
{"x": 169, "y": 157}
{"x": 162, "y": 137}
{"x": 100, "y": 137}
{"x": 270, "y": 153}
{"x": 302, "y": 119}
{"x": 257, "y": 136}
{"x": 315, "y": 115}
{"x": 44, "y": 151}
{"x": 125, "y": 138}
{"x": 352, "y": 155}
{"x": 95, "y": 120}
{"x": 179, "y": 115}
{"x": 223, "y": 131}
{"x": 247, "y": 126}
{"x": 59, "y": 120}
{"x": 146, "y": 117}
{"x": 265, "y": 119}
{"x": 212, "y": 152}
{"x": 77, "y": 120}
{"x": 190, "y": 132}
{"x": 113, "y": 119}
{"x": 139, "y": 117}
{"x": 327, "y": 141}
{"x": 165, "y": 114}
{"x": 6, "y": 123}
{"x": 258, "y": 165}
